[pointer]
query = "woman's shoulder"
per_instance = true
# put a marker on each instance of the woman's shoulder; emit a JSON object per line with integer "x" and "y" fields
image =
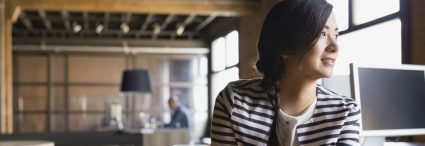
{"x": 245, "y": 83}
{"x": 246, "y": 89}
{"x": 250, "y": 86}
{"x": 330, "y": 97}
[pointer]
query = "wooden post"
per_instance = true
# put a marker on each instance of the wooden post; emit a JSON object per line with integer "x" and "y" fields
{"x": 8, "y": 76}
{"x": 2, "y": 67}
{"x": 6, "y": 97}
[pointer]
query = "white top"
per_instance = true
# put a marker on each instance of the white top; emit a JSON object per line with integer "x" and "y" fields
{"x": 287, "y": 124}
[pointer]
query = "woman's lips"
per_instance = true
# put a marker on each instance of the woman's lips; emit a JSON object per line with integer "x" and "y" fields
{"x": 328, "y": 61}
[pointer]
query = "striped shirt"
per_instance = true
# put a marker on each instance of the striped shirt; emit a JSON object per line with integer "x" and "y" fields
{"x": 243, "y": 115}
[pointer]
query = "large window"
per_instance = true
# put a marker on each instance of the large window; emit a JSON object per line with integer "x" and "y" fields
{"x": 224, "y": 68}
{"x": 371, "y": 32}
{"x": 364, "y": 47}
{"x": 372, "y": 35}
{"x": 224, "y": 59}
{"x": 366, "y": 10}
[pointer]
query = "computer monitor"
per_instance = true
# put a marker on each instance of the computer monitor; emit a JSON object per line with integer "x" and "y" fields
{"x": 391, "y": 98}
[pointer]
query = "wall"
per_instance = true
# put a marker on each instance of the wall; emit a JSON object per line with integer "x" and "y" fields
{"x": 68, "y": 92}
{"x": 417, "y": 32}
{"x": 249, "y": 30}
{"x": 80, "y": 85}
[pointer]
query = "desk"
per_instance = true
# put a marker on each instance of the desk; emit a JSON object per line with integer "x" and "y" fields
{"x": 81, "y": 138}
{"x": 26, "y": 143}
{"x": 403, "y": 144}
{"x": 158, "y": 137}
{"x": 167, "y": 137}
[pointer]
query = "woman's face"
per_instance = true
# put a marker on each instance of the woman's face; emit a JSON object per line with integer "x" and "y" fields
{"x": 319, "y": 61}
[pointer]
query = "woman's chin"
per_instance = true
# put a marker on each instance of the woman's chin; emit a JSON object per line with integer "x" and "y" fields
{"x": 327, "y": 74}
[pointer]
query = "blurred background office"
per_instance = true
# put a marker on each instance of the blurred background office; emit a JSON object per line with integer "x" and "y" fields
{"x": 62, "y": 62}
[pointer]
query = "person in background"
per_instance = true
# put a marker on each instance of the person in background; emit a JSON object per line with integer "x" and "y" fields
{"x": 180, "y": 117}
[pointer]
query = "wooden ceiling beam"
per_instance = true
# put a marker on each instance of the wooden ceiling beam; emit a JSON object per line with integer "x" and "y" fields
{"x": 86, "y": 20}
{"x": 167, "y": 21}
{"x": 66, "y": 23}
{"x": 189, "y": 19}
{"x": 146, "y": 22}
{"x": 16, "y": 11}
{"x": 127, "y": 18}
{"x": 46, "y": 21}
{"x": 204, "y": 23}
{"x": 27, "y": 22}
{"x": 178, "y": 7}
{"x": 106, "y": 21}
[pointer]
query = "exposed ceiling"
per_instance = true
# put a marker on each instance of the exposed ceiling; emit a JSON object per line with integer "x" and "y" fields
{"x": 51, "y": 24}
{"x": 69, "y": 23}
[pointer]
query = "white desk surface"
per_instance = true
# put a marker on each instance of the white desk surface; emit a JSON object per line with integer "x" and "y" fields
{"x": 403, "y": 144}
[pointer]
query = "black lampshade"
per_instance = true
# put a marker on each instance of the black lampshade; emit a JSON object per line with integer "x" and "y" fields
{"x": 135, "y": 81}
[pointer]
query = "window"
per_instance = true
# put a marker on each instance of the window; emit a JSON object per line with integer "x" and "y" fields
{"x": 367, "y": 10}
{"x": 371, "y": 33}
{"x": 232, "y": 49}
{"x": 365, "y": 43}
{"x": 221, "y": 79}
{"x": 341, "y": 13}
{"x": 364, "y": 47}
{"x": 225, "y": 56}
{"x": 218, "y": 52}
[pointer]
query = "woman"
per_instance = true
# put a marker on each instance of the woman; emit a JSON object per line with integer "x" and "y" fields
{"x": 297, "y": 46}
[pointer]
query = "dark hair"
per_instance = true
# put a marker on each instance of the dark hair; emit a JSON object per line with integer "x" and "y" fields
{"x": 291, "y": 26}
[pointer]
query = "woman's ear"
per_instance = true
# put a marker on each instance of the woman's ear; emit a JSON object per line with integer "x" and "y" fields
{"x": 284, "y": 56}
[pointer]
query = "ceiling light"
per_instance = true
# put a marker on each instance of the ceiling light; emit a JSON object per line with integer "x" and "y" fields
{"x": 99, "y": 28}
{"x": 156, "y": 28}
{"x": 124, "y": 27}
{"x": 180, "y": 29}
{"x": 76, "y": 27}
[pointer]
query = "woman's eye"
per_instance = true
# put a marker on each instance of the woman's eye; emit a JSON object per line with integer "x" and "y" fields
{"x": 323, "y": 34}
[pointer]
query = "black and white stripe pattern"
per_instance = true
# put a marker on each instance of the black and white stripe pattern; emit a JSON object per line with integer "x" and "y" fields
{"x": 243, "y": 115}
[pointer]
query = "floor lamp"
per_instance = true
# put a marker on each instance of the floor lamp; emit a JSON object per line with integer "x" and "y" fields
{"x": 134, "y": 81}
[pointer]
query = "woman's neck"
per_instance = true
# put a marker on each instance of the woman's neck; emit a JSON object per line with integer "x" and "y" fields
{"x": 296, "y": 94}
